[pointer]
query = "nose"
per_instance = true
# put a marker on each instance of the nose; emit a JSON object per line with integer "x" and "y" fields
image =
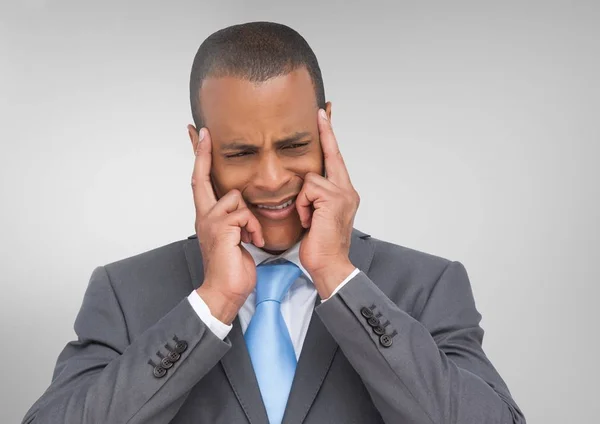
{"x": 271, "y": 175}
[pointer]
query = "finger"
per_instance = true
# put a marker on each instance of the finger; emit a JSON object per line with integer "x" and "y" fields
{"x": 229, "y": 203}
{"x": 233, "y": 202}
{"x": 309, "y": 198}
{"x": 303, "y": 206}
{"x": 306, "y": 220}
{"x": 204, "y": 196}
{"x": 334, "y": 162}
{"x": 321, "y": 181}
{"x": 245, "y": 236}
{"x": 246, "y": 220}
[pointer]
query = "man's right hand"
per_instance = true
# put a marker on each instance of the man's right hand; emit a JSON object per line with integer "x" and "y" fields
{"x": 229, "y": 270}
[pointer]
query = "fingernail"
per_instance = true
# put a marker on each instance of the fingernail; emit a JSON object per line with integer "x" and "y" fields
{"x": 323, "y": 114}
{"x": 200, "y": 137}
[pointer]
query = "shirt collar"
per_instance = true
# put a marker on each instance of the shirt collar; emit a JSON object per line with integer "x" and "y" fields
{"x": 292, "y": 255}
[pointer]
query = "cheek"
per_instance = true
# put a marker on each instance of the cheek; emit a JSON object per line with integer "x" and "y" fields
{"x": 226, "y": 179}
{"x": 310, "y": 162}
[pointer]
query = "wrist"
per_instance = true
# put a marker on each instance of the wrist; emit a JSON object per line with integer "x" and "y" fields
{"x": 221, "y": 307}
{"x": 327, "y": 279}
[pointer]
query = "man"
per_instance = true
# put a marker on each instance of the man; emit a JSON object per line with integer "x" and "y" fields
{"x": 276, "y": 310}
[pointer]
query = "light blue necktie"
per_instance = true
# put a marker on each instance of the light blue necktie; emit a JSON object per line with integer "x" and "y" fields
{"x": 268, "y": 339}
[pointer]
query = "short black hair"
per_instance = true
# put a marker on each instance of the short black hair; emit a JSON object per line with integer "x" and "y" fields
{"x": 254, "y": 51}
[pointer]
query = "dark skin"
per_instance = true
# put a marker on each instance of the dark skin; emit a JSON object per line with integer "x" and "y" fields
{"x": 257, "y": 118}
{"x": 267, "y": 142}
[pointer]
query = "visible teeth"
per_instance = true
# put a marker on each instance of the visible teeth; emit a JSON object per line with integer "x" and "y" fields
{"x": 282, "y": 206}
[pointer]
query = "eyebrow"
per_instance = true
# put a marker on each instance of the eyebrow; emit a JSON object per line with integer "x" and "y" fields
{"x": 239, "y": 144}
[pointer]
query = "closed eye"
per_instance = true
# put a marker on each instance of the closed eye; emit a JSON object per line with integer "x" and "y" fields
{"x": 295, "y": 145}
{"x": 238, "y": 155}
{"x": 292, "y": 146}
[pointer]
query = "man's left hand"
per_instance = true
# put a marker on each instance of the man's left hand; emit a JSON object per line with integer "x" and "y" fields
{"x": 327, "y": 207}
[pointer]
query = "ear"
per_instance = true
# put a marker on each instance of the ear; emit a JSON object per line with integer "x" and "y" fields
{"x": 193, "y": 133}
{"x": 328, "y": 110}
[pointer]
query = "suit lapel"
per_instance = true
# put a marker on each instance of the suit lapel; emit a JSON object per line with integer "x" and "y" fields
{"x": 236, "y": 362}
{"x": 315, "y": 359}
{"x": 319, "y": 346}
{"x": 238, "y": 368}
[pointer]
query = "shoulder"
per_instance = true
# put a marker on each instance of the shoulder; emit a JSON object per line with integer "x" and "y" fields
{"x": 143, "y": 287}
{"x": 405, "y": 275}
{"x": 155, "y": 272}
{"x": 152, "y": 259}
{"x": 405, "y": 260}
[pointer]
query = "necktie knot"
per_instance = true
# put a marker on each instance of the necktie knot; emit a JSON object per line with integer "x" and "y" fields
{"x": 274, "y": 279}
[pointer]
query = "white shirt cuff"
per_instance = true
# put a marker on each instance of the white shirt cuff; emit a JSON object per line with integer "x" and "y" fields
{"x": 221, "y": 330}
{"x": 343, "y": 283}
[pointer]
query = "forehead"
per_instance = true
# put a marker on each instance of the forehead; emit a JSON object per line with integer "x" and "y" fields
{"x": 234, "y": 107}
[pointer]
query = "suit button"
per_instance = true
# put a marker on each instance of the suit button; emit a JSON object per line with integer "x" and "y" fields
{"x": 385, "y": 340}
{"x": 374, "y": 322}
{"x": 159, "y": 371}
{"x": 379, "y": 330}
{"x": 165, "y": 363}
{"x": 173, "y": 356}
{"x": 181, "y": 346}
{"x": 366, "y": 312}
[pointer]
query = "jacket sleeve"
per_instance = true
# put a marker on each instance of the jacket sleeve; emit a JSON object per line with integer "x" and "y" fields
{"x": 427, "y": 371}
{"x": 103, "y": 377}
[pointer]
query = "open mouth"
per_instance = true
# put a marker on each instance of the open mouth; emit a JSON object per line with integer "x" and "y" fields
{"x": 277, "y": 207}
{"x": 276, "y": 211}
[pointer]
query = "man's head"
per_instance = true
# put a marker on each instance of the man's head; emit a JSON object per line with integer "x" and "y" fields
{"x": 257, "y": 88}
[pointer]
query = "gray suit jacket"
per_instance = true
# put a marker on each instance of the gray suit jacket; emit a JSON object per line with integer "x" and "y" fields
{"x": 400, "y": 343}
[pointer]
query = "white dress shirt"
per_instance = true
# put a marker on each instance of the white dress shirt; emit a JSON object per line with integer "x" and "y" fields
{"x": 296, "y": 306}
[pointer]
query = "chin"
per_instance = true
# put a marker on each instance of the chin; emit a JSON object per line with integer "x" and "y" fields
{"x": 282, "y": 238}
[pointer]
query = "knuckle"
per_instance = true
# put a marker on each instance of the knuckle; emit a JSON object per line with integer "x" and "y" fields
{"x": 242, "y": 212}
{"x": 235, "y": 194}
{"x": 336, "y": 154}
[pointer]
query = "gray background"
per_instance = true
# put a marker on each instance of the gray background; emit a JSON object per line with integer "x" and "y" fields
{"x": 469, "y": 129}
